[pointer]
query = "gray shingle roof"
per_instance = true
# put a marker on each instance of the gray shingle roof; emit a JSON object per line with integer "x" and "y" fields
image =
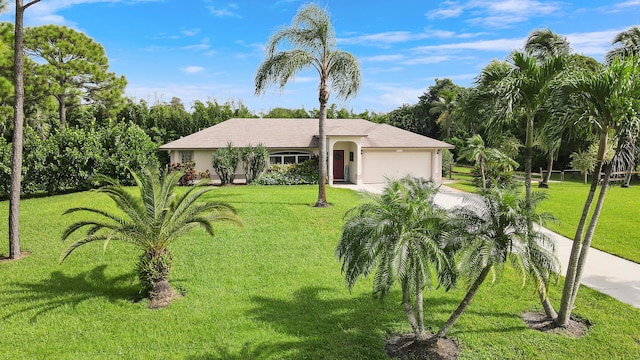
{"x": 300, "y": 133}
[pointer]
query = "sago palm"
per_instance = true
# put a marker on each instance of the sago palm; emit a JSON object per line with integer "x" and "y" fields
{"x": 313, "y": 46}
{"x": 397, "y": 235}
{"x": 491, "y": 230}
{"x": 151, "y": 221}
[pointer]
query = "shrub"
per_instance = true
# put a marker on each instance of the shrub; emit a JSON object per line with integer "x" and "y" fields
{"x": 224, "y": 162}
{"x": 188, "y": 171}
{"x": 68, "y": 158}
{"x": 254, "y": 161}
{"x": 291, "y": 174}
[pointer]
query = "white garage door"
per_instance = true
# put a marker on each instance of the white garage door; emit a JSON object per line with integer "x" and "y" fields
{"x": 376, "y": 165}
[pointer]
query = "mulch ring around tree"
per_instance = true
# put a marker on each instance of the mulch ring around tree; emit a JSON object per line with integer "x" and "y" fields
{"x": 538, "y": 321}
{"x": 405, "y": 347}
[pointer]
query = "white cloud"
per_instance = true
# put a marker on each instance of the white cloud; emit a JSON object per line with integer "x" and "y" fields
{"x": 46, "y": 12}
{"x": 382, "y": 58}
{"x": 500, "y": 13}
{"x": 482, "y": 45}
{"x": 227, "y": 11}
{"x": 192, "y": 69}
{"x": 393, "y": 37}
{"x": 427, "y": 60}
{"x": 204, "y": 45}
{"x": 190, "y": 32}
{"x": 393, "y": 95}
{"x": 595, "y": 43}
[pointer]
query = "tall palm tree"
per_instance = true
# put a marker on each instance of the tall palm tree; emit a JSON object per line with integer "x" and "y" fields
{"x": 491, "y": 230}
{"x": 397, "y": 234}
{"x": 444, "y": 106}
{"x": 526, "y": 88}
{"x": 544, "y": 44}
{"x": 150, "y": 221}
{"x": 313, "y": 46}
{"x": 608, "y": 101}
{"x": 628, "y": 44}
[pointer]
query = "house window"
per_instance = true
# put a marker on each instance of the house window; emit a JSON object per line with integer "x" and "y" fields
{"x": 288, "y": 157}
{"x": 186, "y": 156}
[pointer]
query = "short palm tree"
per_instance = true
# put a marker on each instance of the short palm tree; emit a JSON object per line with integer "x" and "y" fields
{"x": 151, "y": 221}
{"x": 397, "y": 234}
{"x": 490, "y": 230}
{"x": 313, "y": 46}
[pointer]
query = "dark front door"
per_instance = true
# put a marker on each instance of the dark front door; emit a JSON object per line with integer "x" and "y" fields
{"x": 338, "y": 165}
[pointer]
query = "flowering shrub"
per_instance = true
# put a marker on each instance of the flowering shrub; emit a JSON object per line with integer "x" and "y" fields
{"x": 189, "y": 173}
{"x": 290, "y": 174}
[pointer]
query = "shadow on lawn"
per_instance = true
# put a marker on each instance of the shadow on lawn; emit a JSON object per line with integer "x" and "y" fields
{"x": 324, "y": 327}
{"x": 61, "y": 290}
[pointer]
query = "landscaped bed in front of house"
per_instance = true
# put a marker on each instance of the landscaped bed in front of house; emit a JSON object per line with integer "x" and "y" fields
{"x": 270, "y": 290}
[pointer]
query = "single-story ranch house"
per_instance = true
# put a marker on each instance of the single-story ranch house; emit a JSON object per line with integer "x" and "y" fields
{"x": 362, "y": 152}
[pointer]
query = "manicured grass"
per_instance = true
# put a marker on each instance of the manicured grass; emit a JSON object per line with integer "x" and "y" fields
{"x": 618, "y": 229}
{"x": 617, "y": 232}
{"x": 270, "y": 290}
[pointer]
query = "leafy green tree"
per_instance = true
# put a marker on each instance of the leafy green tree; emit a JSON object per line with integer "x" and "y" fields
{"x": 397, "y": 235}
{"x": 151, "y": 221}
{"x": 313, "y": 46}
{"x": 18, "y": 124}
{"x": 608, "y": 101}
{"x": 583, "y": 161}
{"x": 75, "y": 68}
{"x": 492, "y": 230}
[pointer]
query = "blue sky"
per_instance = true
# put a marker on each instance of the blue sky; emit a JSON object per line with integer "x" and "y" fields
{"x": 210, "y": 49}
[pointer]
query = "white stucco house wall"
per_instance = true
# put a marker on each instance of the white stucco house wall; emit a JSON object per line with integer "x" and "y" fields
{"x": 359, "y": 151}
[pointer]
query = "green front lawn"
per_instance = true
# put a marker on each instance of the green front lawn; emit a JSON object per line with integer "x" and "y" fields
{"x": 618, "y": 230}
{"x": 270, "y": 290}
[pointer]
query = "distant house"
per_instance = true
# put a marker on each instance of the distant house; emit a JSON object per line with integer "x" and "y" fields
{"x": 362, "y": 152}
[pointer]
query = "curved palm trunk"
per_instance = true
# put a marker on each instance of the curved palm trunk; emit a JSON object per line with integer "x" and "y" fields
{"x": 570, "y": 281}
{"x": 547, "y": 177}
{"x": 549, "y": 311}
{"x": 586, "y": 244}
{"x": 411, "y": 317}
{"x": 322, "y": 145}
{"x": 465, "y": 303}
